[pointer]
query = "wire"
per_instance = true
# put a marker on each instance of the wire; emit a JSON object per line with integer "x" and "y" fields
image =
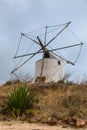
{"x": 58, "y": 33}
{"x": 58, "y": 25}
{"x": 53, "y": 29}
{"x": 18, "y": 66}
{"x": 22, "y": 64}
{"x": 63, "y": 58}
{"x": 23, "y": 57}
{"x": 79, "y": 41}
{"x": 19, "y": 77}
{"x": 56, "y": 51}
{"x": 78, "y": 54}
{"x": 48, "y": 31}
{"x": 35, "y": 30}
{"x": 46, "y": 26}
{"x": 18, "y": 45}
{"x": 31, "y": 35}
{"x": 76, "y": 57}
{"x": 74, "y": 34}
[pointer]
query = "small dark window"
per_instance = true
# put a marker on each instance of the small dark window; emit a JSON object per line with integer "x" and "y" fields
{"x": 59, "y": 62}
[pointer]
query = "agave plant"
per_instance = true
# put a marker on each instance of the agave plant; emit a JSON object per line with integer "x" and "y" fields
{"x": 19, "y": 100}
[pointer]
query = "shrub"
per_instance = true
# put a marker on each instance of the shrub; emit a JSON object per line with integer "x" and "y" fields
{"x": 29, "y": 113}
{"x": 19, "y": 100}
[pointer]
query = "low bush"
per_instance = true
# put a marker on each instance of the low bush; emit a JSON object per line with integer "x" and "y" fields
{"x": 19, "y": 100}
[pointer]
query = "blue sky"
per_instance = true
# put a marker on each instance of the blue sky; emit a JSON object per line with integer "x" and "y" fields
{"x": 18, "y": 16}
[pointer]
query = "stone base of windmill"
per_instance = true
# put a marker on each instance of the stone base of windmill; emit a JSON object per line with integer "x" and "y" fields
{"x": 40, "y": 79}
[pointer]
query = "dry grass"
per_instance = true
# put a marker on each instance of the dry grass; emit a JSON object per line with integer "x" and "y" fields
{"x": 61, "y": 101}
{"x": 58, "y": 100}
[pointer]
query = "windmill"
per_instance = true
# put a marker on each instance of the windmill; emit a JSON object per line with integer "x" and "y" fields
{"x": 51, "y": 66}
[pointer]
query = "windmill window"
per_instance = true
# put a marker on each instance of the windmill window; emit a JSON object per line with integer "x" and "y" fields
{"x": 59, "y": 62}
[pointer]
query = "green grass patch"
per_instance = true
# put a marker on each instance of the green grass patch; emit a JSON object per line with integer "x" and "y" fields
{"x": 19, "y": 100}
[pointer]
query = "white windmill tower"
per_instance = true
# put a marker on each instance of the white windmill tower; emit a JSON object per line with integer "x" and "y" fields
{"x": 51, "y": 66}
{"x": 46, "y": 69}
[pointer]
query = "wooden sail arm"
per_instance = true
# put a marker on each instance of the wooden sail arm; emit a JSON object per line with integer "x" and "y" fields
{"x": 28, "y": 54}
{"x": 65, "y": 47}
{"x": 30, "y": 38}
{"x": 50, "y": 50}
{"x": 40, "y": 42}
{"x": 58, "y": 56}
{"x": 58, "y": 34}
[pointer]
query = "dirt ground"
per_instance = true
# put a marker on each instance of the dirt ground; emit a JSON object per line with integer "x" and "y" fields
{"x": 17, "y": 125}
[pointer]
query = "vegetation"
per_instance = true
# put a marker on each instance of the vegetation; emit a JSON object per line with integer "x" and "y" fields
{"x": 60, "y": 101}
{"x": 19, "y": 100}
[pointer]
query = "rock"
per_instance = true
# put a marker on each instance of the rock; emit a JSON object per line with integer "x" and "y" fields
{"x": 34, "y": 120}
{"x": 60, "y": 122}
{"x": 70, "y": 121}
{"x": 52, "y": 121}
{"x": 75, "y": 122}
{"x": 64, "y": 126}
{"x": 80, "y": 123}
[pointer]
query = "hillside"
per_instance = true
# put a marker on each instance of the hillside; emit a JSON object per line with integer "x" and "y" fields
{"x": 54, "y": 103}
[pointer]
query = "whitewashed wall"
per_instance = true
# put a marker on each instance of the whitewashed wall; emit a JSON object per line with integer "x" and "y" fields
{"x": 51, "y": 69}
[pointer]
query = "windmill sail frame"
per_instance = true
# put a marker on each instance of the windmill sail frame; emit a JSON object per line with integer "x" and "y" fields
{"x": 47, "y": 53}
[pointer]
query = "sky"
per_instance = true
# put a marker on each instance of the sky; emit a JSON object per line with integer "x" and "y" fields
{"x": 18, "y": 16}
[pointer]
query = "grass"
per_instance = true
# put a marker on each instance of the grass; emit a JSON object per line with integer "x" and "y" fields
{"x": 59, "y": 100}
{"x": 65, "y": 101}
{"x": 19, "y": 100}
